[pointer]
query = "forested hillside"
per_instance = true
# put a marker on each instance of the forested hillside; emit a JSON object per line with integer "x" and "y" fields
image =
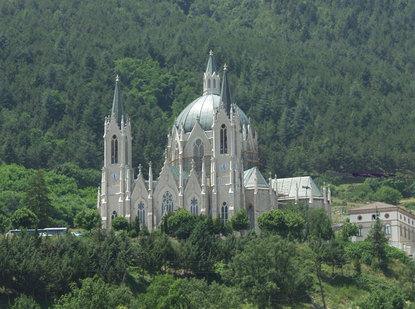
{"x": 328, "y": 84}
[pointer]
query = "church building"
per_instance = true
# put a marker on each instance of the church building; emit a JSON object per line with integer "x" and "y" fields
{"x": 210, "y": 163}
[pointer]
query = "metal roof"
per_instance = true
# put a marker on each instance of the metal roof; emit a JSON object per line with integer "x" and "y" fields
{"x": 203, "y": 108}
{"x": 253, "y": 176}
{"x": 287, "y": 187}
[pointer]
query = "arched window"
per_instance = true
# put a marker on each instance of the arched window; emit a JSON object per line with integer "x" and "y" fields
{"x": 141, "y": 214}
{"x": 167, "y": 203}
{"x": 214, "y": 83}
{"x": 114, "y": 150}
{"x": 194, "y": 209}
{"x": 114, "y": 214}
{"x": 251, "y": 217}
{"x": 208, "y": 83}
{"x": 223, "y": 139}
{"x": 198, "y": 152}
{"x": 387, "y": 229}
{"x": 224, "y": 213}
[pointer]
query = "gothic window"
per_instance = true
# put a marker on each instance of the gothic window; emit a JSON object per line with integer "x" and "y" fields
{"x": 114, "y": 150}
{"x": 208, "y": 83}
{"x": 194, "y": 209}
{"x": 387, "y": 229}
{"x": 214, "y": 83}
{"x": 223, "y": 140}
{"x": 198, "y": 151}
{"x": 167, "y": 203}
{"x": 224, "y": 213}
{"x": 251, "y": 217}
{"x": 141, "y": 214}
{"x": 114, "y": 214}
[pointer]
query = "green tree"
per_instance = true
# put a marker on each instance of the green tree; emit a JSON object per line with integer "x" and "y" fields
{"x": 348, "y": 230}
{"x": 286, "y": 223}
{"x": 200, "y": 250}
{"x": 334, "y": 254}
{"x": 179, "y": 223}
{"x": 154, "y": 252}
{"x": 378, "y": 242}
{"x": 25, "y": 302}
{"x": 270, "y": 271}
{"x": 239, "y": 221}
{"x": 37, "y": 199}
{"x": 24, "y": 218}
{"x": 95, "y": 293}
{"x": 87, "y": 219}
{"x": 388, "y": 195}
{"x": 4, "y": 223}
{"x": 135, "y": 227}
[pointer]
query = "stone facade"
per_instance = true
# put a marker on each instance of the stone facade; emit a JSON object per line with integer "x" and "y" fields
{"x": 209, "y": 164}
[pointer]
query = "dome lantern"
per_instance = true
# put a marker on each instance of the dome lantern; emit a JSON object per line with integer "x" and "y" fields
{"x": 211, "y": 79}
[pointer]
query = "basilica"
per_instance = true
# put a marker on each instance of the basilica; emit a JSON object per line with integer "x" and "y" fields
{"x": 210, "y": 165}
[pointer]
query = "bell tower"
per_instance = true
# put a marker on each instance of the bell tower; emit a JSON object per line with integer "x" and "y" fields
{"x": 117, "y": 173}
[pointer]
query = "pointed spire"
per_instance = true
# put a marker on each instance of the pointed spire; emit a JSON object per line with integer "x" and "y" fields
{"x": 150, "y": 180}
{"x": 211, "y": 64}
{"x": 117, "y": 108}
{"x": 225, "y": 94}
{"x": 211, "y": 80}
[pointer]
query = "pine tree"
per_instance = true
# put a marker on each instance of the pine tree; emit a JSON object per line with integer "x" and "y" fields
{"x": 284, "y": 128}
{"x": 37, "y": 199}
{"x": 378, "y": 243}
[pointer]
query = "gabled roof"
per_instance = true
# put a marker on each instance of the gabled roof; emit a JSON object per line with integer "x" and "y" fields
{"x": 253, "y": 176}
{"x": 375, "y": 205}
{"x": 286, "y": 187}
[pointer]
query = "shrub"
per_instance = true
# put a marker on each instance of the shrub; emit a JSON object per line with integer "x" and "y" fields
{"x": 120, "y": 224}
{"x": 382, "y": 297}
{"x": 240, "y": 221}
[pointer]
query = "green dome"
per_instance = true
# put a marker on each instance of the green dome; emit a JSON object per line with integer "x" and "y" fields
{"x": 203, "y": 108}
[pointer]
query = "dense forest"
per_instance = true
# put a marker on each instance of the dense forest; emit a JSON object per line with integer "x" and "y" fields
{"x": 329, "y": 85}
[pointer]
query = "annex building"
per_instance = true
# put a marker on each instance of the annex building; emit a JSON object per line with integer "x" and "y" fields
{"x": 398, "y": 224}
{"x": 210, "y": 164}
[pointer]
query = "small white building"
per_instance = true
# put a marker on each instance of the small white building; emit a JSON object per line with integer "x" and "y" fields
{"x": 398, "y": 224}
